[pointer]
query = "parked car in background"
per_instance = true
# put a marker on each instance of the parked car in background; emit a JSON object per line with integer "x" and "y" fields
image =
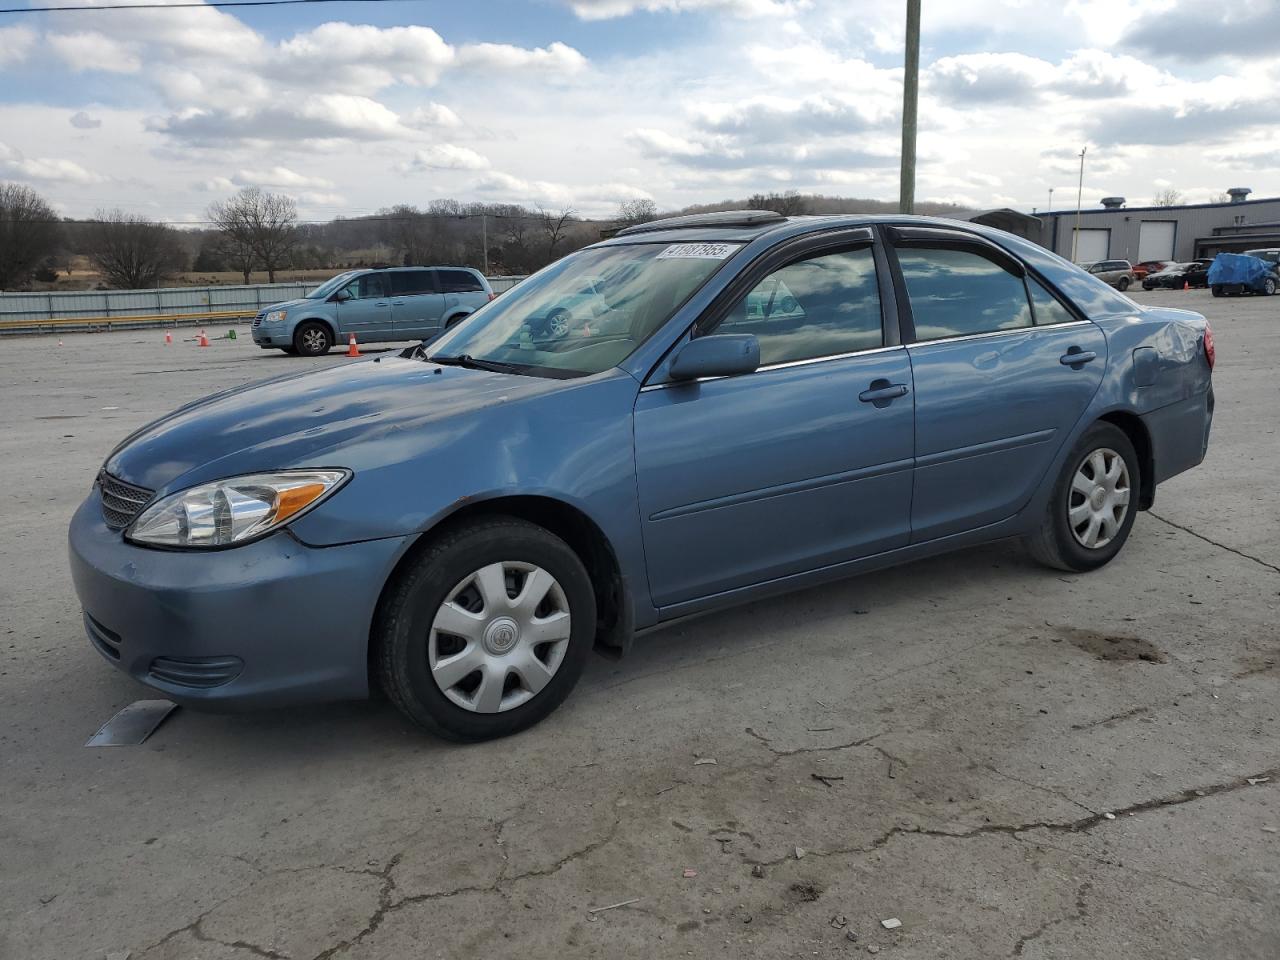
{"x": 1142, "y": 270}
{"x": 1270, "y": 254}
{"x": 463, "y": 522}
{"x": 1232, "y": 274}
{"x": 1117, "y": 273}
{"x": 377, "y": 305}
{"x": 1177, "y": 275}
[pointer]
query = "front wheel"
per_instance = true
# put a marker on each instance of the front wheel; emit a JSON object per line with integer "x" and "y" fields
{"x": 312, "y": 339}
{"x": 1093, "y": 504}
{"x": 487, "y": 631}
{"x": 1269, "y": 287}
{"x": 1123, "y": 284}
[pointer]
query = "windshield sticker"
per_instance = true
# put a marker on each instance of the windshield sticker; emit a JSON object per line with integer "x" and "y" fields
{"x": 699, "y": 251}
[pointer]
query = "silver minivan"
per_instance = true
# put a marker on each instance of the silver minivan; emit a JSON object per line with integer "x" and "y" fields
{"x": 377, "y": 305}
{"x": 1118, "y": 273}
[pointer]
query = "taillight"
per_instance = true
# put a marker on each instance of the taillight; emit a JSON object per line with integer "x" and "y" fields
{"x": 1209, "y": 353}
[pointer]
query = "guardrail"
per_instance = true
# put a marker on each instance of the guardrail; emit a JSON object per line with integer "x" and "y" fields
{"x": 91, "y": 311}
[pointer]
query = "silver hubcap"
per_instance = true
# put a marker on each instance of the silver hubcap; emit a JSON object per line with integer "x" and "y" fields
{"x": 1099, "y": 498}
{"x": 559, "y": 325}
{"x": 499, "y": 637}
{"x": 313, "y": 339}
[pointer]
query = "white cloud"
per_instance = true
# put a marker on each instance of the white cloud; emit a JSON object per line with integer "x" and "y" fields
{"x": 94, "y": 51}
{"x": 446, "y": 156}
{"x": 318, "y": 117}
{"x": 558, "y": 59}
{"x": 609, "y": 9}
{"x": 15, "y": 44}
{"x": 363, "y": 57}
{"x": 83, "y": 121}
{"x": 279, "y": 177}
{"x": 14, "y": 165}
{"x": 432, "y": 115}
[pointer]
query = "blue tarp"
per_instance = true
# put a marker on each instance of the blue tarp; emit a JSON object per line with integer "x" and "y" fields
{"x": 1237, "y": 268}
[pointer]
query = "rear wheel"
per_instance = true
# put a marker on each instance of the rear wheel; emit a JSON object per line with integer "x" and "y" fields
{"x": 1123, "y": 284}
{"x": 1093, "y": 504}
{"x": 487, "y": 631}
{"x": 1269, "y": 287}
{"x": 311, "y": 339}
{"x": 1217, "y": 290}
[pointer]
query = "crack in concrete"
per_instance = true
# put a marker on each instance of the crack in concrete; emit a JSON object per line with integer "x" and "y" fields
{"x": 388, "y": 906}
{"x": 1078, "y": 913}
{"x": 1123, "y": 715}
{"x": 1200, "y": 536}
{"x": 253, "y": 948}
{"x": 801, "y": 750}
{"x": 1036, "y": 786}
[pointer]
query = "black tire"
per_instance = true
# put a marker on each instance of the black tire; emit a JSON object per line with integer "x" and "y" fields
{"x": 455, "y": 320}
{"x": 291, "y": 351}
{"x": 1054, "y": 543}
{"x": 1268, "y": 287}
{"x": 312, "y": 339}
{"x": 1217, "y": 290}
{"x": 409, "y": 605}
{"x": 1123, "y": 284}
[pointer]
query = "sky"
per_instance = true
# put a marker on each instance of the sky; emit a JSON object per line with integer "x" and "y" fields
{"x": 354, "y": 106}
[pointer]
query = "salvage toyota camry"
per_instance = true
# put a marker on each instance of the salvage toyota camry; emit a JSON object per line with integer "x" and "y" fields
{"x": 761, "y": 404}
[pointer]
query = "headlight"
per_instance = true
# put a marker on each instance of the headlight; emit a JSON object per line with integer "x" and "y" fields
{"x": 274, "y": 316}
{"x": 233, "y": 511}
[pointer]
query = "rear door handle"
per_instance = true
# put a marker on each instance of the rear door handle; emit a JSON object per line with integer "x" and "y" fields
{"x": 883, "y": 391}
{"x": 1074, "y": 357}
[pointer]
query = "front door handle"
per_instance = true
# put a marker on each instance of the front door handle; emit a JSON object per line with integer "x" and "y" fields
{"x": 882, "y": 391}
{"x": 1076, "y": 357}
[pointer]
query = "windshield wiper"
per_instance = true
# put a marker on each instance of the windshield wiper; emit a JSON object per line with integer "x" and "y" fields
{"x": 473, "y": 363}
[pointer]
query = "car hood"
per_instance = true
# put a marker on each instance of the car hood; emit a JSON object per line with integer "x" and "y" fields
{"x": 304, "y": 419}
{"x": 286, "y": 304}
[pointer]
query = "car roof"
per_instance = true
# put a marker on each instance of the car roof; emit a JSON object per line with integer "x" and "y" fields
{"x": 702, "y": 228}
{"x": 387, "y": 268}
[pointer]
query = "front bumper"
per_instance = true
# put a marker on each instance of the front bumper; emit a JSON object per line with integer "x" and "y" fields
{"x": 270, "y": 335}
{"x": 267, "y": 624}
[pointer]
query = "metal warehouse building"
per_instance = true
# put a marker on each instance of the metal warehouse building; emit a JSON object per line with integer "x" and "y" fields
{"x": 1120, "y": 232}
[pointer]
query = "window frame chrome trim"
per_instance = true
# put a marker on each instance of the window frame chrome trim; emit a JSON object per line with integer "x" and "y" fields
{"x": 776, "y": 366}
{"x": 1031, "y": 328}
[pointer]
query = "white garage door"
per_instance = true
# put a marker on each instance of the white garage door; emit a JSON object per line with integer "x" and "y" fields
{"x": 1155, "y": 240}
{"x": 1092, "y": 244}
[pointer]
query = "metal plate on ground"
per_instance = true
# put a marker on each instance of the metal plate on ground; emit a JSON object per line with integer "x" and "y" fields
{"x": 132, "y": 725}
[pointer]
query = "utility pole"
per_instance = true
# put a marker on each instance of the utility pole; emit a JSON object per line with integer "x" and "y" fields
{"x": 910, "y": 99}
{"x": 484, "y": 238}
{"x": 1050, "y": 211}
{"x": 1075, "y": 237}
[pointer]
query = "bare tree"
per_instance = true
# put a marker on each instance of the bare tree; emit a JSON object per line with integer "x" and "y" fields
{"x": 1167, "y": 197}
{"x": 1222, "y": 197}
{"x": 130, "y": 251}
{"x": 641, "y": 210}
{"x": 265, "y": 223}
{"x": 789, "y": 204}
{"x": 29, "y": 233}
{"x": 410, "y": 232}
{"x": 554, "y": 225}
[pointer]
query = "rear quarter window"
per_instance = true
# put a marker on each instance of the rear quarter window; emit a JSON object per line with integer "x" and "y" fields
{"x": 459, "y": 281}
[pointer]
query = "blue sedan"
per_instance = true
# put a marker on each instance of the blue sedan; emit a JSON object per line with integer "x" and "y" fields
{"x": 463, "y": 523}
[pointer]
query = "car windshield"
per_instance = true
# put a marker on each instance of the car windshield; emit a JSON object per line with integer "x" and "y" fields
{"x": 546, "y": 327}
{"x": 330, "y": 285}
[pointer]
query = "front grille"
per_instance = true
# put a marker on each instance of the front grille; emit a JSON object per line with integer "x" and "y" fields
{"x": 121, "y": 501}
{"x": 257, "y": 321}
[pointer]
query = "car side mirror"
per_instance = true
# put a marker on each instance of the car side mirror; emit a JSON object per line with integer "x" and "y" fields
{"x": 340, "y": 296}
{"x": 721, "y": 355}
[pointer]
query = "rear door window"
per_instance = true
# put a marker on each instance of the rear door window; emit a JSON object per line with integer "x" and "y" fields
{"x": 959, "y": 293}
{"x": 459, "y": 281}
{"x": 408, "y": 283}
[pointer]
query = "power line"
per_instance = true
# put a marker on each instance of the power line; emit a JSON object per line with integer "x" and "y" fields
{"x": 335, "y": 221}
{"x": 179, "y": 6}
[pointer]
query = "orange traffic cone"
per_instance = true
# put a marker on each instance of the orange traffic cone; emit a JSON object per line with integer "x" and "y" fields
{"x": 204, "y": 341}
{"x": 168, "y": 338}
{"x": 353, "y": 349}
{"x": 1186, "y": 285}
